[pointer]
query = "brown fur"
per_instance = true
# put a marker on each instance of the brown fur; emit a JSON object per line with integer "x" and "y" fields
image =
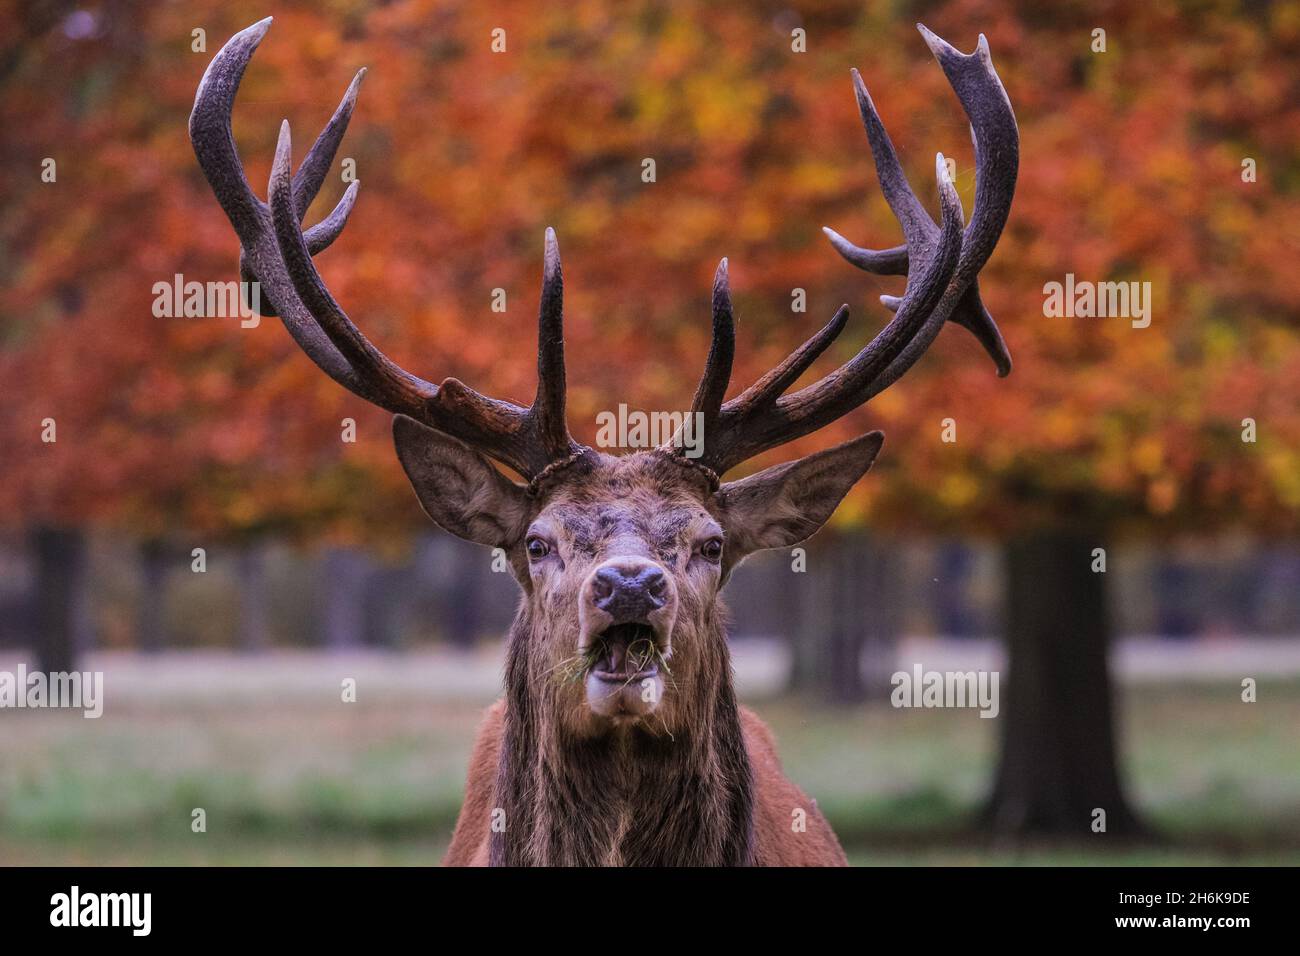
{"x": 668, "y": 769}
{"x": 693, "y": 780}
{"x": 675, "y": 790}
{"x": 775, "y": 842}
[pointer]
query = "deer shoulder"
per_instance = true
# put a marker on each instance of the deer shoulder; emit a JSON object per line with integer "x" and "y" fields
{"x": 789, "y": 830}
{"x": 469, "y": 841}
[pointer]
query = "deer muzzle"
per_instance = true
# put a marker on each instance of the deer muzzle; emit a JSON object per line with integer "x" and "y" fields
{"x": 626, "y": 616}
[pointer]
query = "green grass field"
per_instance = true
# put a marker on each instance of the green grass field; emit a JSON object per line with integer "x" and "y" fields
{"x": 301, "y": 778}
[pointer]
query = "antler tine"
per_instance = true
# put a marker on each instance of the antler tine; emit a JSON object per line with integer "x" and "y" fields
{"x": 322, "y": 235}
{"x": 319, "y": 238}
{"x": 882, "y": 262}
{"x": 214, "y": 145}
{"x": 548, "y": 406}
{"x": 918, "y": 228}
{"x": 942, "y": 262}
{"x": 758, "y": 419}
{"x": 531, "y": 439}
{"x": 771, "y": 385}
{"x": 310, "y": 176}
{"x": 390, "y": 385}
{"x": 307, "y": 182}
{"x": 997, "y": 152}
{"x": 995, "y": 136}
{"x": 717, "y": 366}
{"x": 774, "y": 383}
{"x": 213, "y": 140}
{"x": 259, "y": 260}
{"x": 722, "y": 351}
{"x": 276, "y": 252}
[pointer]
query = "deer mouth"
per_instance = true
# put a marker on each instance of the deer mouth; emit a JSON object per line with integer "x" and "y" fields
{"x": 625, "y": 676}
{"x": 625, "y": 652}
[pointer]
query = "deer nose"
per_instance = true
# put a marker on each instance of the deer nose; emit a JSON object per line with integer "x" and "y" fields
{"x": 629, "y": 593}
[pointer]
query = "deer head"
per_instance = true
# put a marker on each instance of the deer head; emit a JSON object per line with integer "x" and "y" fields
{"x": 621, "y": 558}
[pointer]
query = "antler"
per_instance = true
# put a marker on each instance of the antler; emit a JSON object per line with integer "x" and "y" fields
{"x": 997, "y": 162}
{"x": 277, "y": 253}
{"x": 941, "y": 264}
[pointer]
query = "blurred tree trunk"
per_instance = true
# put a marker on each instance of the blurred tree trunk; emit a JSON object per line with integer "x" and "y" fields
{"x": 1174, "y": 587}
{"x": 462, "y": 607}
{"x": 62, "y": 627}
{"x": 389, "y": 595}
{"x": 253, "y": 634}
{"x": 343, "y": 577}
{"x": 1058, "y": 762}
{"x": 951, "y": 605}
{"x": 848, "y": 604}
{"x": 150, "y": 628}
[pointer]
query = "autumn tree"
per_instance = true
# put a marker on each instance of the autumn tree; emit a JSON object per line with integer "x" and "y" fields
{"x": 1157, "y": 149}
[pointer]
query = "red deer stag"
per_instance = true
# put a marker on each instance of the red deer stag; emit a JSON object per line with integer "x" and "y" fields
{"x": 619, "y": 739}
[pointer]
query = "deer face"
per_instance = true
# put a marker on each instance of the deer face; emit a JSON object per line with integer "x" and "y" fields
{"x": 619, "y": 557}
{"x": 621, "y": 560}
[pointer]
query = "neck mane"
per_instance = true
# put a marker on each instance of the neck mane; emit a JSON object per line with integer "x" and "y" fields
{"x": 631, "y": 798}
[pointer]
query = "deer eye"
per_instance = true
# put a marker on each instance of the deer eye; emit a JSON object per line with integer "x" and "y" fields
{"x": 537, "y": 548}
{"x": 711, "y": 549}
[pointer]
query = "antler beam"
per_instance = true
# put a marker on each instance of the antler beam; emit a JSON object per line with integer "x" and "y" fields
{"x": 941, "y": 262}
{"x": 278, "y": 254}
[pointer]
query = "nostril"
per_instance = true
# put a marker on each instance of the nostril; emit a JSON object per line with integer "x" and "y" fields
{"x": 606, "y": 580}
{"x": 655, "y": 584}
{"x": 629, "y": 593}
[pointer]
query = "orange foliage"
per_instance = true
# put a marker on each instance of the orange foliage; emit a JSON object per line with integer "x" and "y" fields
{"x": 1131, "y": 170}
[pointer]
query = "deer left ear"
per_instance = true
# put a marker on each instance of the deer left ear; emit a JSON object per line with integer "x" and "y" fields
{"x": 785, "y": 504}
{"x": 460, "y": 489}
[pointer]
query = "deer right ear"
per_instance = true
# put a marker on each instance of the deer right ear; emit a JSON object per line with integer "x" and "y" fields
{"x": 459, "y": 488}
{"x": 786, "y": 504}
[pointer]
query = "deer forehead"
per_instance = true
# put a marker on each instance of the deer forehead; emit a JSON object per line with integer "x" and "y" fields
{"x": 625, "y": 501}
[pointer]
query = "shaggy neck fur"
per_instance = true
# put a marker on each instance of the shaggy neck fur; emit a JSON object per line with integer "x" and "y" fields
{"x": 638, "y": 797}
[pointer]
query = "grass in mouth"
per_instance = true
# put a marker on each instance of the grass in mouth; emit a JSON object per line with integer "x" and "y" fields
{"x": 641, "y": 653}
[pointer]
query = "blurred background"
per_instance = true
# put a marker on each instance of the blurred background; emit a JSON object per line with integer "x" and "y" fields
{"x": 1168, "y": 155}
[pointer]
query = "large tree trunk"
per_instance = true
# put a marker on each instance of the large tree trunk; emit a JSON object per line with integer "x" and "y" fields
{"x": 62, "y": 624}
{"x": 1058, "y": 763}
{"x": 850, "y": 606}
